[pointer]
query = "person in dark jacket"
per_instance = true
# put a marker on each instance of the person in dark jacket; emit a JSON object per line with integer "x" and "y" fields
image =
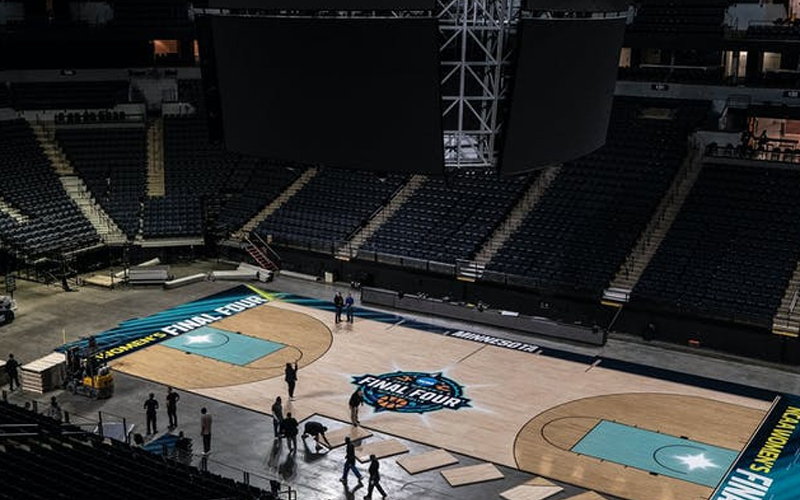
{"x": 317, "y": 430}
{"x": 12, "y": 370}
{"x": 150, "y": 406}
{"x": 172, "y": 407}
{"x": 277, "y": 417}
{"x": 350, "y": 461}
{"x": 205, "y": 430}
{"x": 290, "y": 428}
{"x": 338, "y": 303}
{"x": 374, "y": 478}
{"x": 290, "y": 376}
{"x": 356, "y": 400}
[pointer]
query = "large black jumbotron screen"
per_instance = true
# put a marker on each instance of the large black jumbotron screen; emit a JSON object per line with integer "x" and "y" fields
{"x": 562, "y": 93}
{"x": 360, "y": 93}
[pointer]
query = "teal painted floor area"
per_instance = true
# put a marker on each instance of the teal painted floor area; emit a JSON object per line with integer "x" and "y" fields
{"x": 228, "y": 347}
{"x": 663, "y": 454}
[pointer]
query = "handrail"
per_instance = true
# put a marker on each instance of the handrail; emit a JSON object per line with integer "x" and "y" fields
{"x": 247, "y": 476}
{"x": 794, "y": 302}
{"x": 265, "y": 244}
{"x": 257, "y": 249}
{"x": 202, "y": 465}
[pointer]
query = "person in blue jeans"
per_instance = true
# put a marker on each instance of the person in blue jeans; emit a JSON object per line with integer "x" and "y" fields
{"x": 348, "y": 307}
{"x": 350, "y": 461}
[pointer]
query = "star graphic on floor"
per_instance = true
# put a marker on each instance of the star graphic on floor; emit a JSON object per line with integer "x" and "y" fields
{"x": 699, "y": 461}
{"x": 198, "y": 339}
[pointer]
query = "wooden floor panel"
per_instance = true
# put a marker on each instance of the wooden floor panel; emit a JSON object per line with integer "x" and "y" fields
{"x": 305, "y": 339}
{"x": 426, "y": 461}
{"x": 356, "y": 434}
{"x": 543, "y": 444}
{"x": 535, "y": 489}
{"x": 472, "y": 474}
{"x": 381, "y": 449}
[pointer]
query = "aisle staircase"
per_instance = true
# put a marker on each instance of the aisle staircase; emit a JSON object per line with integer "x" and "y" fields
{"x": 105, "y": 226}
{"x": 350, "y": 249}
{"x": 46, "y": 136}
{"x": 787, "y": 318}
{"x": 12, "y": 212}
{"x": 155, "y": 158}
{"x": 619, "y": 290}
{"x": 268, "y": 210}
{"x": 471, "y": 270}
{"x": 75, "y": 188}
{"x": 260, "y": 251}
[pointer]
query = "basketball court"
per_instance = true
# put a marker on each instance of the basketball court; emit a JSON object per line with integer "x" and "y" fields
{"x": 584, "y": 421}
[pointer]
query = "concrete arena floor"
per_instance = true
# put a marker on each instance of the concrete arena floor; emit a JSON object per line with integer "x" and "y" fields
{"x": 243, "y": 439}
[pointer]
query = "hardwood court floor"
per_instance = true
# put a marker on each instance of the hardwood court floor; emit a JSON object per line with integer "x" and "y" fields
{"x": 514, "y": 395}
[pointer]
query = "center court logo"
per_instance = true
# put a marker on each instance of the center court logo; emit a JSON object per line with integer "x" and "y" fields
{"x": 411, "y": 392}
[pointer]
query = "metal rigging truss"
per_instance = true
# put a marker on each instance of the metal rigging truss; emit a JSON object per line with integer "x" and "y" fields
{"x": 475, "y": 54}
{"x": 476, "y": 39}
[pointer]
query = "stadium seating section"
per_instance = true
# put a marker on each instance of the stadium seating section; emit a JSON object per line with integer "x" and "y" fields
{"x": 193, "y": 169}
{"x": 448, "y": 219}
{"x": 31, "y": 186}
{"x": 69, "y": 95}
{"x": 572, "y": 242}
{"x": 172, "y": 217}
{"x": 666, "y": 74}
{"x": 580, "y": 232}
{"x": 112, "y": 162}
{"x": 252, "y": 186}
{"x": 732, "y": 248}
{"x": 679, "y": 17}
{"x": 330, "y": 208}
{"x": 59, "y": 461}
{"x": 789, "y": 31}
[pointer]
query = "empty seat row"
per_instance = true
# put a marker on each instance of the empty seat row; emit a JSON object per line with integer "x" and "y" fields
{"x": 733, "y": 247}
{"x": 577, "y": 236}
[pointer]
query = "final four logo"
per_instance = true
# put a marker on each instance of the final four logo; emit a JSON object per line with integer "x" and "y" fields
{"x": 411, "y": 392}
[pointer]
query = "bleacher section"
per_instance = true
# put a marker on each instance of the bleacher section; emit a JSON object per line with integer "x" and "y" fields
{"x": 31, "y": 186}
{"x": 581, "y": 230}
{"x": 52, "y": 464}
{"x": 333, "y": 205}
{"x": 786, "y": 31}
{"x": 69, "y": 95}
{"x": 733, "y": 247}
{"x": 448, "y": 219}
{"x": 667, "y": 74}
{"x": 193, "y": 168}
{"x": 170, "y": 217}
{"x": 112, "y": 162}
{"x": 679, "y": 17}
{"x": 251, "y": 187}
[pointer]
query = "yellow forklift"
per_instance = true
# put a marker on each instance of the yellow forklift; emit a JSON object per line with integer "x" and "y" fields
{"x": 88, "y": 374}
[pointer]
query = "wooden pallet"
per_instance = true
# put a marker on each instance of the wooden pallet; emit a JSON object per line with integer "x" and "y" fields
{"x": 44, "y": 374}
